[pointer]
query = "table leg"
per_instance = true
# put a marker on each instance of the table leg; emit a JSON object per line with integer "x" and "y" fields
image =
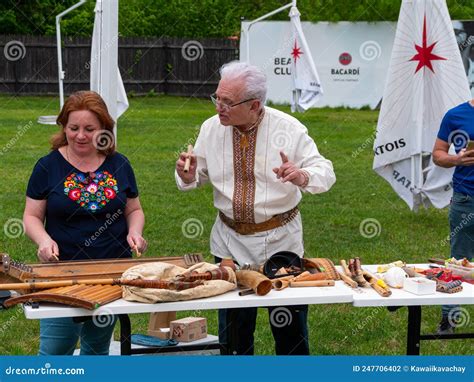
{"x": 125, "y": 335}
{"x": 413, "y": 332}
{"x": 230, "y": 348}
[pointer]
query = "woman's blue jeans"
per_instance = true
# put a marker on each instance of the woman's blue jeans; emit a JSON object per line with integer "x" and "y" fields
{"x": 59, "y": 336}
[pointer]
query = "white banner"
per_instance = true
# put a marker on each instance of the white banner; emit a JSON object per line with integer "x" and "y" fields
{"x": 426, "y": 78}
{"x": 352, "y": 59}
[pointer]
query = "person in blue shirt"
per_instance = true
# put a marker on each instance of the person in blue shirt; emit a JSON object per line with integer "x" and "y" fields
{"x": 82, "y": 204}
{"x": 457, "y": 127}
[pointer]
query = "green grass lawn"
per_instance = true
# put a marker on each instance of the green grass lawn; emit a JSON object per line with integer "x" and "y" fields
{"x": 155, "y": 129}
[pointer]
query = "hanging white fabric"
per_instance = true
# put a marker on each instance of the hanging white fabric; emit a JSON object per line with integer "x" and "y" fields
{"x": 104, "y": 72}
{"x": 425, "y": 79}
{"x": 306, "y": 85}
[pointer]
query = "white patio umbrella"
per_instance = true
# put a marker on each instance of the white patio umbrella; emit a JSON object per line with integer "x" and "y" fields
{"x": 425, "y": 79}
{"x": 306, "y": 85}
{"x": 105, "y": 74}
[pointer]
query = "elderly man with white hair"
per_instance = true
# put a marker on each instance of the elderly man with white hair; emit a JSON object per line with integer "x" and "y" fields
{"x": 258, "y": 160}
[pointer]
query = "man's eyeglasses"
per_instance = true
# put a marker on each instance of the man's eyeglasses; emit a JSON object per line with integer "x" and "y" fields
{"x": 225, "y": 106}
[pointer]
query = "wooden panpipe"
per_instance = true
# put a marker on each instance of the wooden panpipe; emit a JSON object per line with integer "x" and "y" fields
{"x": 79, "y": 295}
{"x": 12, "y": 271}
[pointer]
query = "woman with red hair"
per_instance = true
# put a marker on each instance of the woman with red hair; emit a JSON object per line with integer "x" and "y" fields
{"x": 82, "y": 204}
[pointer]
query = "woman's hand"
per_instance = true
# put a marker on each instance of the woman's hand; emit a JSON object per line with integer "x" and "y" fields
{"x": 137, "y": 242}
{"x": 33, "y": 219}
{"x": 48, "y": 251}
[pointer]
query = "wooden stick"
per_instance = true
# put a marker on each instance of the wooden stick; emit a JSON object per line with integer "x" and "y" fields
{"x": 358, "y": 275}
{"x": 302, "y": 275}
{"x": 56, "y": 256}
{"x": 318, "y": 283}
{"x": 346, "y": 268}
{"x": 311, "y": 277}
{"x": 437, "y": 261}
{"x": 351, "y": 267}
{"x": 384, "y": 292}
{"x": 245, "y": 292}
{"x": 187, "y": 162}
{"x": 347, "y": 280}
{"x": 357, "y": 267}
{"x": 51, "y": 284}
{"x": 369, "y": 277}
{"x": 154, "y": 284}
{"x": 381, "y": 291}
{"x": 138, "y": 253}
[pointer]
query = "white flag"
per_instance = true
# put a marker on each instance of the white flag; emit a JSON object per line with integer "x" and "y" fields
{"x": 306, "y": 84}
{"x": 103, "y": 62}
{"x": 425, "y": 79}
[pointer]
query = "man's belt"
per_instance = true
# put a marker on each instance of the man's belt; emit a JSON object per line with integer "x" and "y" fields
{"x": 251, "y": 228}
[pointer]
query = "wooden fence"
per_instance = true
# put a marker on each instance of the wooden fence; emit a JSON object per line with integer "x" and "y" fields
{"x": 176, "y": 66}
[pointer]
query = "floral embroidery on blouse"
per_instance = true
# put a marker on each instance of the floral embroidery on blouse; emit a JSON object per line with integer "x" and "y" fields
{"x": 91, "y": 191}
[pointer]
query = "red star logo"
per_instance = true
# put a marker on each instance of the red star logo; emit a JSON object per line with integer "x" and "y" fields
{"x": 296, "y": 52}
{"x": 424, "y": 56}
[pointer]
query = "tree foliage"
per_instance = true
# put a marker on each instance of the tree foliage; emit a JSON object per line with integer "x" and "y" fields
{"x": 194, "y": 18}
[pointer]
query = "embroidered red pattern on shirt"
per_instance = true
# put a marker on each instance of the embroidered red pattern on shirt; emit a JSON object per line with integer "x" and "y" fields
{"x": 244, "y": 145}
